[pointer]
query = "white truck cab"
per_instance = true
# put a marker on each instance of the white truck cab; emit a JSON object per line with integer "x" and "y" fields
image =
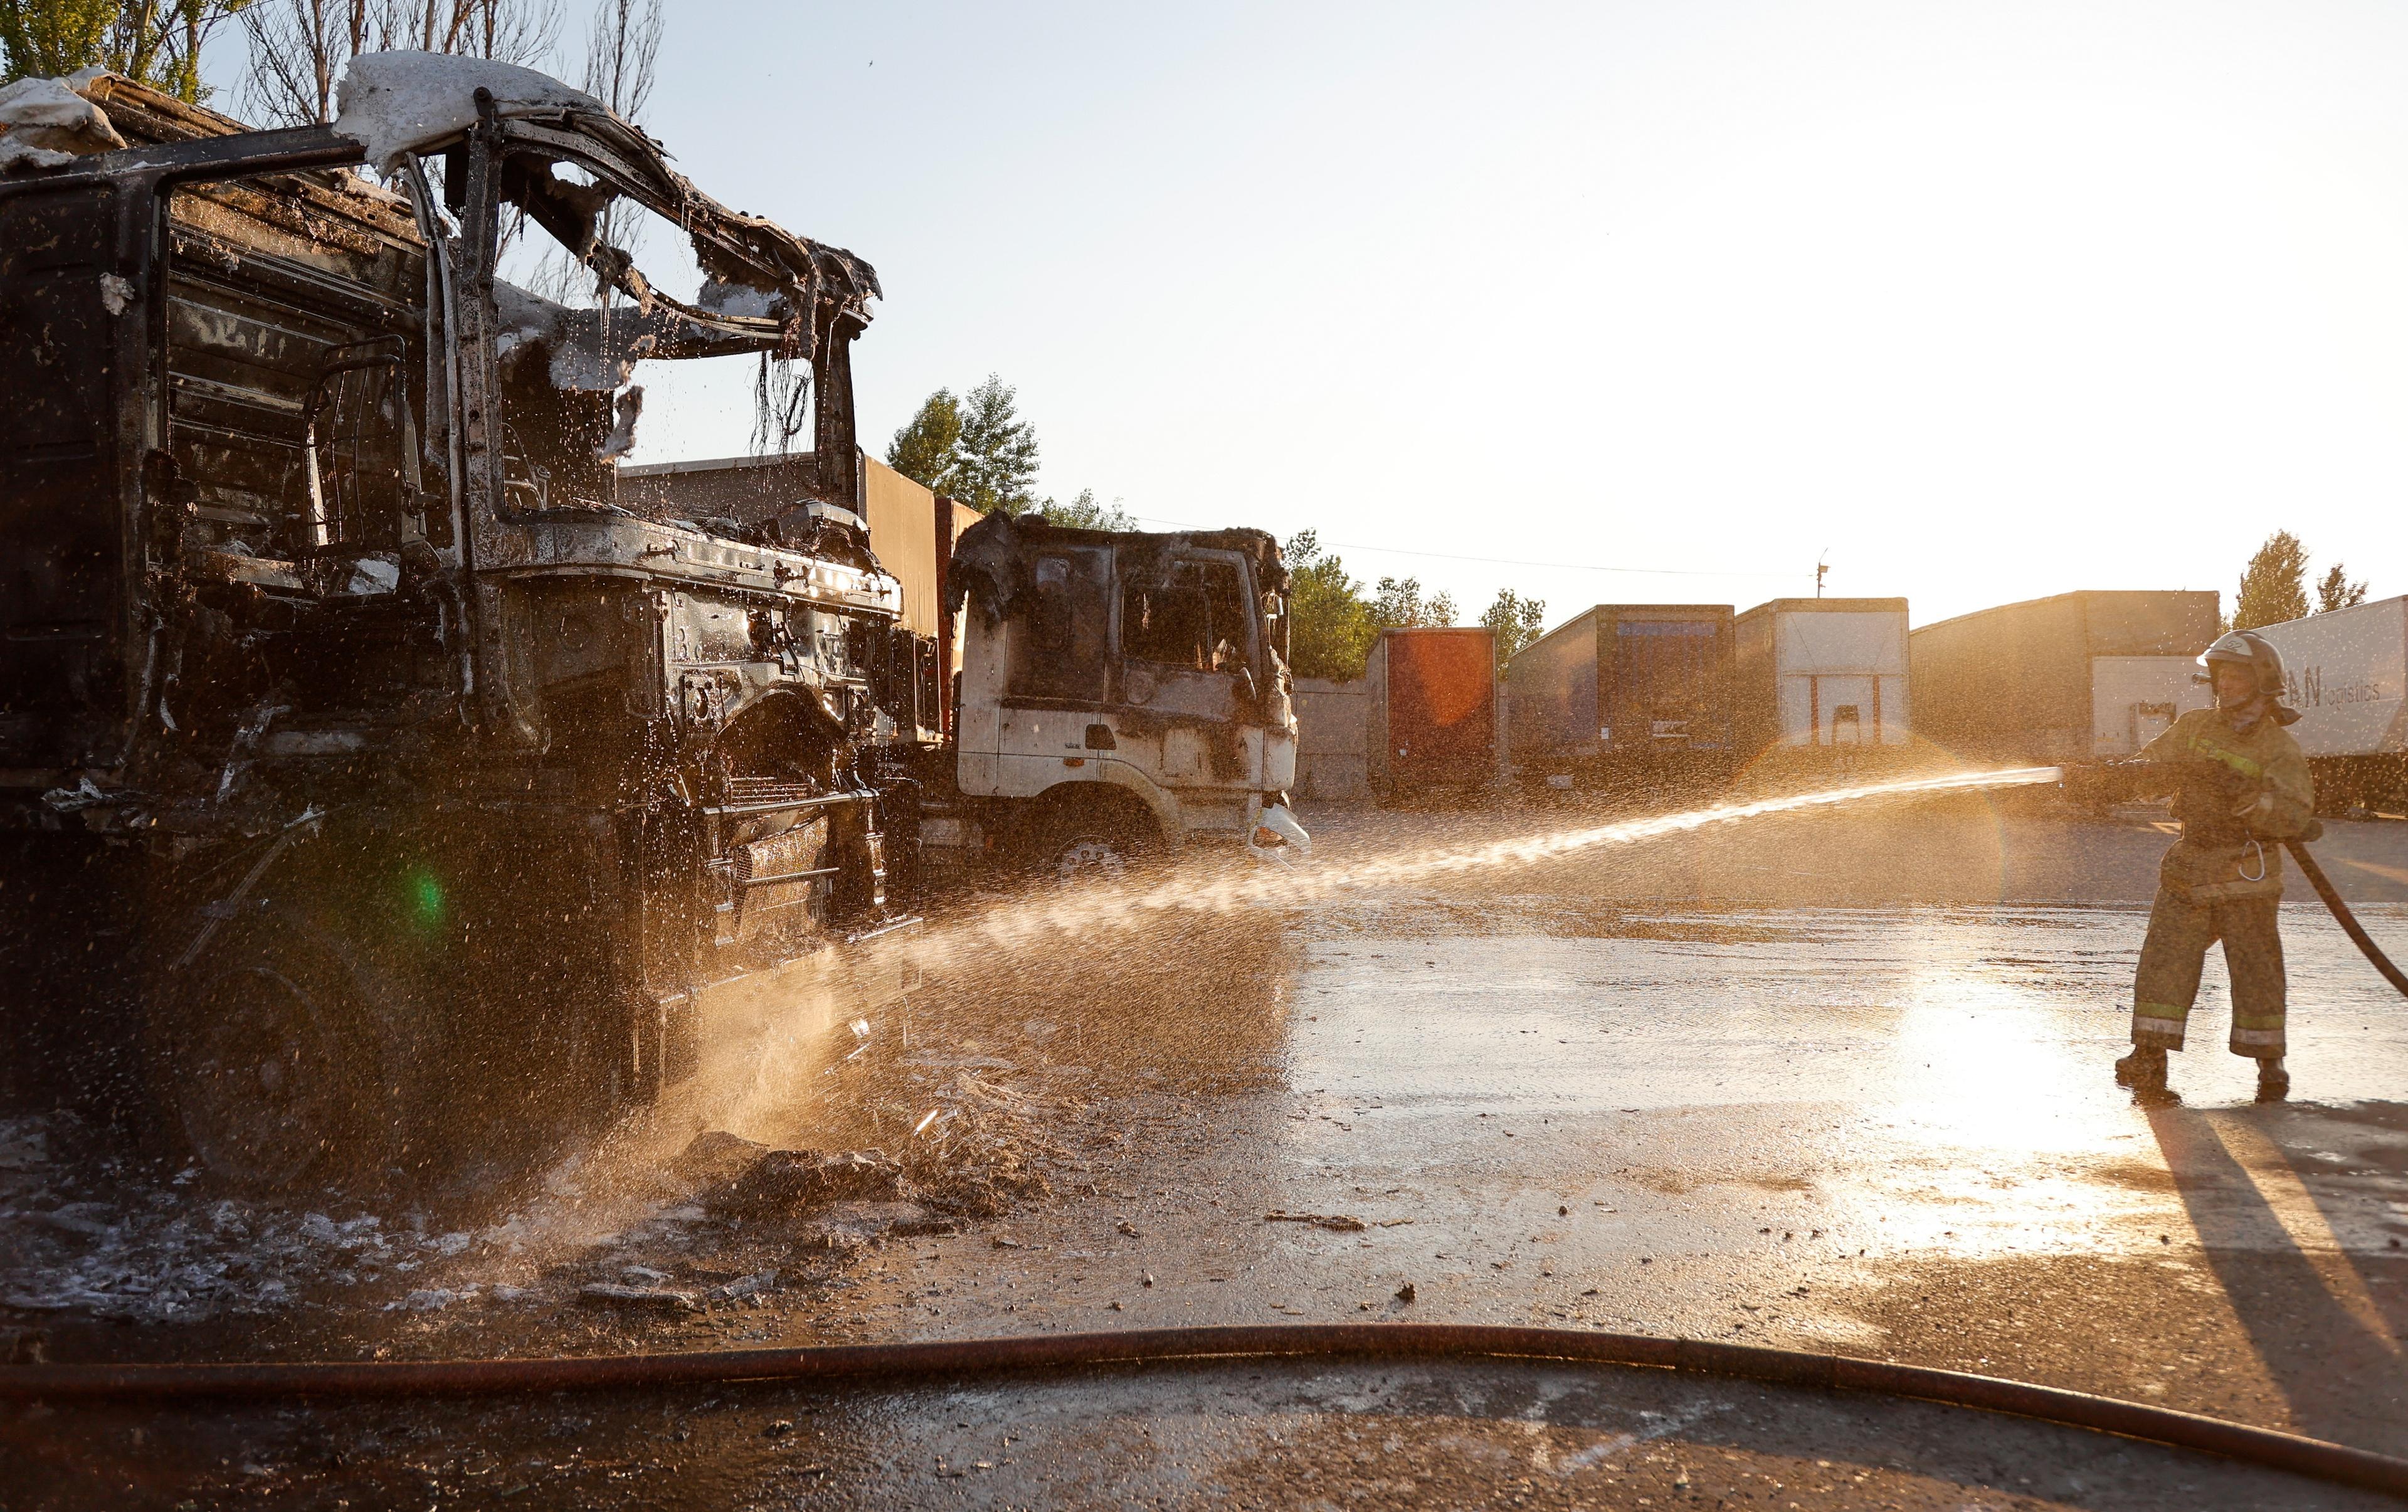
{"x": 1122, "y": 690}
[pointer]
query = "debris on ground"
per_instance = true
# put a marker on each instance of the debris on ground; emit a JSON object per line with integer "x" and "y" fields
{"x": 715, "y": 1157}
{"x": 720, "y": 1221}
{"x": 787, "y": 1181}
{"x": 663, "y": 1298}
{"x": 984, "y": 1152}
{"x": 861, "y": 1221}
{"x": 746, "y": 1286}
{"x": 24, "y": 1144}
{"x": 1340, "y": 1222}
{"x": 152, "y": 1254}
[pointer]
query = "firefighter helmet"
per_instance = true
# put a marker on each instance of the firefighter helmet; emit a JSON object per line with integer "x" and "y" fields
{"x": 2247, "y": 648}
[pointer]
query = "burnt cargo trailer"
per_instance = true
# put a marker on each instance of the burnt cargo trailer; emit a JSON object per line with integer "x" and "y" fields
{"x": 2077, "y": 677}
{"x": 1625, "y": 695}
{"x": 2347, "y": 672}
{"x": 1821, "y": 674}
{"x": 1432, "y": 717}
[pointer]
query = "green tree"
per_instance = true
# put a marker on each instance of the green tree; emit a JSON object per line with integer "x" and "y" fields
{"x": 1515, "y": 622}
{"x": 50, "y": 38}
{"x": 1086, "y": 513}
{"x": 1330, "y": 628}
{"x": 2335, "y": 591}
{"x": 976, "y": 449}
{"x": 153, "y": 42}
{"x": 1398, "y": 603}
{"x": 995, "y": 458}
{"x": 923, "y": 451}
{"x": 2274, "y": 587}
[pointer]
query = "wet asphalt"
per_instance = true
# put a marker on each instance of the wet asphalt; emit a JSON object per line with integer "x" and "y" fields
{"x": 1836, "y": 1082}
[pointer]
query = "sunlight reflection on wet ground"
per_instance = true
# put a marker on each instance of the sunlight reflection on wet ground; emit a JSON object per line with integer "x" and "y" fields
{"x": 1931, "y": 1076}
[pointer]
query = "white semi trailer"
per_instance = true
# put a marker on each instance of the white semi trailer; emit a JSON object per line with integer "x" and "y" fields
{"x": 2348, "y": 677}
{"x": 1826, "y": 674}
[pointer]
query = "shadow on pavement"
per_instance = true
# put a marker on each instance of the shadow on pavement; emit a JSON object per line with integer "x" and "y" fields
{"x": 2326, "y": 1321}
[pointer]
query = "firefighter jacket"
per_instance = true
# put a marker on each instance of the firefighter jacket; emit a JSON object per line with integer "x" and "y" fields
{"x": 2239, "y": 794}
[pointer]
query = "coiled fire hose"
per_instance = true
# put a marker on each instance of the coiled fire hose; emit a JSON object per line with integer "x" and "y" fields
{"x": 2341, "y": 915}
{"x": 957, "y": 1358}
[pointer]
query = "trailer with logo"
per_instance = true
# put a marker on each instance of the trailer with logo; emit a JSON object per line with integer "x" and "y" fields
{"x": 2347, "y": 673}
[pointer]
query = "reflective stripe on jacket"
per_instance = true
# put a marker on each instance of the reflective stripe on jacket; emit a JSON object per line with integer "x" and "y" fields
{"x": 2268, "y": 777}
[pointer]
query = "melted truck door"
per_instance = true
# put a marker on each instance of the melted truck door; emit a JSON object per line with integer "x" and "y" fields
{"x": 1190, "y": 644}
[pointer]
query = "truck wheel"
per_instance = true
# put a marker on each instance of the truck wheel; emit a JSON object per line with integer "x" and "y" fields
{"x": 266, "y": 1062}
{"x": 1088, "y": 851}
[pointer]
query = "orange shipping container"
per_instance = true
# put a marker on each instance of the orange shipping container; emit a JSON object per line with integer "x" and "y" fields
{"x": 1433, "y": 714}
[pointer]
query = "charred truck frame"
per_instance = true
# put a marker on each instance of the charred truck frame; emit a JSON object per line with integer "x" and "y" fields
{"x": 339, "y": 695}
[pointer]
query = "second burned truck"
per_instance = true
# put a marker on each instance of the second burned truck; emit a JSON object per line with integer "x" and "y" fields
{"x": 399, "y": 762}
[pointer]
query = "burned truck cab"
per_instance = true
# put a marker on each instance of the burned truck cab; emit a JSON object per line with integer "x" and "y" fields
{"x": 1123, "y": 691}
{"x": 330, "y": 654}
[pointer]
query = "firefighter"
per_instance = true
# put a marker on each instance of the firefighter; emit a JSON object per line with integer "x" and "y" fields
{"x": 2241, "y": 788}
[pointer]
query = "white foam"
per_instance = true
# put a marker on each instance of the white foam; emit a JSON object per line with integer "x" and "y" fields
{"x": 394, "y": 104}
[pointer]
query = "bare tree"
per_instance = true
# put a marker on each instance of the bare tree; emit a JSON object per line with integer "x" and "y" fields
{"x": 621, "y": 50}
{"x": 622, "y": 45}
{"x": 298, "y": 48}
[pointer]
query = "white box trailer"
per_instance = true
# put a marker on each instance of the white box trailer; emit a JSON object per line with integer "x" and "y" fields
{"x": 1821, "y": 673}
{"x": 2134, "y": 699}
{"x": 2348, "y": 677}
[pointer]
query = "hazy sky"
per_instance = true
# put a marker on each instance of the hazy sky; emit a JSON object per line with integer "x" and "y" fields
{"x": 1991, "y": 301}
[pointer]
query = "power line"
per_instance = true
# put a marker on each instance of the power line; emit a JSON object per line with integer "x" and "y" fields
{"x": 1511, "y": 561}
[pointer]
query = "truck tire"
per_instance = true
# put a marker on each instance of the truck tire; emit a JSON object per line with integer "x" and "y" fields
{"x": 1085, "y": 837}
{"x": 271, "y": 1058}
{"x": 1082, "y": 851}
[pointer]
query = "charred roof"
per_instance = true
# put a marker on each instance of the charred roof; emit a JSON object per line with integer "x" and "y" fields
{"x": 994, "y": 553}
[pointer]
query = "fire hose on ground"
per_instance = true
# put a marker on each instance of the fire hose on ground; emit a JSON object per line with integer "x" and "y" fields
{"x": 953, "y": 1359}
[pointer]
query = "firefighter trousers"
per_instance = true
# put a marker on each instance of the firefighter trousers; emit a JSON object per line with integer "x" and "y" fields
{"x": 2180, "y": 928}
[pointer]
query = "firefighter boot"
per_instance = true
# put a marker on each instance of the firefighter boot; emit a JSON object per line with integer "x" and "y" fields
{"x": 2144, "y": 1069}
{"x": 2273, "y": 1082}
